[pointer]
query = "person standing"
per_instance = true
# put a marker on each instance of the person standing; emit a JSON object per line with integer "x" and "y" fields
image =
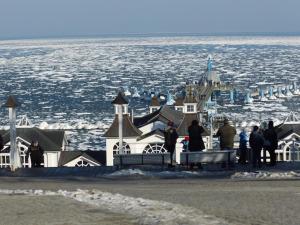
{"x": 170, "y": 139}
{"x": 256, "y": 142}
{"x": 195, "y": 139}
{"x": 36, "y": 154}
{"x": 271, "y": 142}
{"x": 243, "y": 147}
{"x": 226, "y": 134}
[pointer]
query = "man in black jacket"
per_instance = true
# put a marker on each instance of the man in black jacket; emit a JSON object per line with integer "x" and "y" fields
{"x": 36, "y": 154}
{"x": 271, "y": 142}
{"x": 170, "y": 139}
{"x": 256, "y": 142}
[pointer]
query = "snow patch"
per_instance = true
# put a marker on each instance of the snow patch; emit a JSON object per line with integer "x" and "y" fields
{"x": 146, "y": 211}
{"x": 265, "y": 175}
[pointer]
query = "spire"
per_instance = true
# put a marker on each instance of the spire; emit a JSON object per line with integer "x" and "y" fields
{"x": 120, "y": 99}
{"x": 209, "y": 64}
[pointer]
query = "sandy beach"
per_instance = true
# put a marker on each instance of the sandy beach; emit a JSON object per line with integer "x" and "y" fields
{"x": 234, "y": 201}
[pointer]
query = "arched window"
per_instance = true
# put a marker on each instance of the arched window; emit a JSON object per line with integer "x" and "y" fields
{"x": 155, "y": 148}
{"x": 82, "y": 163}
{"x": 125, "y": 149}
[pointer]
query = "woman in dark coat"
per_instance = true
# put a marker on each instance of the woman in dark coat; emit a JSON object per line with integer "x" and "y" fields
{"x": 195, "y": 137}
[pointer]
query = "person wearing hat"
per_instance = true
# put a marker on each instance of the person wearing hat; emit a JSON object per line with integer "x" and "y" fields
{"x": 170, "y": 139}
{"x": 226, "y": 135}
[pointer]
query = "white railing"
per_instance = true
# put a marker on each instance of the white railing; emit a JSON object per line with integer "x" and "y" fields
{"x": 5, "y": 160}
{"x": 288, "y": 154}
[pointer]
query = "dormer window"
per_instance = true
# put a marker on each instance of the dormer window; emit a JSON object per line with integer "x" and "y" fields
{"x": 190, "y": 108}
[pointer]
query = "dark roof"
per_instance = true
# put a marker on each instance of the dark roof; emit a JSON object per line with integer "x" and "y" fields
{"x": 129, "y": 130}
{"x": 179, "y": 102}
{"x": 164, "y": 114}
{"x": 11, "y": 102}
{"x": 49, "y": 140}
{"x": 285, "y": 129}
{"x": 120, "y": 99}
{"x": 157, "y": 132}
{"x": 95, "y": 156}
{"x": 186, "y": 122}
{"x": 154, "y": 101}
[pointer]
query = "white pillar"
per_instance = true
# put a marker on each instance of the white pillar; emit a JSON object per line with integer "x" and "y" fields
{"x": 120, "y": 120}
{"x": 15, "y": 161}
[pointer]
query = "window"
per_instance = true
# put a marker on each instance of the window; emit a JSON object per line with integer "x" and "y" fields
{"x": 190, "y": 108}
{"x": 126, "y": 148}
{"x": 154, "y": 148}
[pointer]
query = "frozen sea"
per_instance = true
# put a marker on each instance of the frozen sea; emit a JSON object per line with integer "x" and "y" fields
{"x": 69, "y": 83}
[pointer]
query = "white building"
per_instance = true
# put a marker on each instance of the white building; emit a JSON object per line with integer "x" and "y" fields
{"x": 146, "y": 134}
{"x": 53, "y": 142}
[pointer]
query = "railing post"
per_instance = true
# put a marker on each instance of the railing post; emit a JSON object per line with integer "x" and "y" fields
{"x": 121, "y": 161}
{"x": 187, "y": 158}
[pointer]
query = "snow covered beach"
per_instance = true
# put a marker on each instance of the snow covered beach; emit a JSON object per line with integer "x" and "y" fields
{"x": 151, "y": 201}
{"x": 137, "y": 196}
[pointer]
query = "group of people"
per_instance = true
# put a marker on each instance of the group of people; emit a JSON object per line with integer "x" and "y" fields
{"x": 259, "y": 139}
{"x": 192, "y": 143}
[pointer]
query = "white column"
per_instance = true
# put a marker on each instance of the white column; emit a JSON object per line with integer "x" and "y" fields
{"x": 120, "y": 120}
{"x": 15, "y": 161}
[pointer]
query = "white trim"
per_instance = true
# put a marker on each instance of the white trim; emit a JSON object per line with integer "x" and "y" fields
{"x": 73, "y": 162}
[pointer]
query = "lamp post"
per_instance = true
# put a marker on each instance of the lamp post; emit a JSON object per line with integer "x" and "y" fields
{"x": 15, "y": 161}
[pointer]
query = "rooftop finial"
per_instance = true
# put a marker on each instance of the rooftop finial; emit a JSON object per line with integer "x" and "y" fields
{"x": 209, "y": 63}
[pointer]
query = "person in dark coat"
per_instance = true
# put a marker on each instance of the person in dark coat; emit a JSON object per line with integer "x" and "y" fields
{"x": 36, "y": 154}
{"x": 256, "y": 142}
{"x": 243, "y": 146}
{"x": 226, "y": 134}
{"x": 170, "y": 139}
{"x": 271, "y": 142}
{"x": 195, "y": 140}
{"x": 195, "y": 137}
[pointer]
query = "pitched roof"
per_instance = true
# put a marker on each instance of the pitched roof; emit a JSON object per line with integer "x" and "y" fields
{"x": 49, "y": 140}
{"x": 154, "y": 101}
{"x": 11, "y": 102}
{"x": 129, "y": 129}
{"x": 179, "y": 101}
{"x": 164, "y": 114}
{"x": 153, "y": 132}
{"x": 95, "y": 156}
{"x": 186, "y": 122}
{"x": 283, "y": 130}
{"x": 120, "y": 99}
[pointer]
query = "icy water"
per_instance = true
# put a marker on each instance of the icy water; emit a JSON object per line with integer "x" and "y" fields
{"x": 69, "y": 83}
